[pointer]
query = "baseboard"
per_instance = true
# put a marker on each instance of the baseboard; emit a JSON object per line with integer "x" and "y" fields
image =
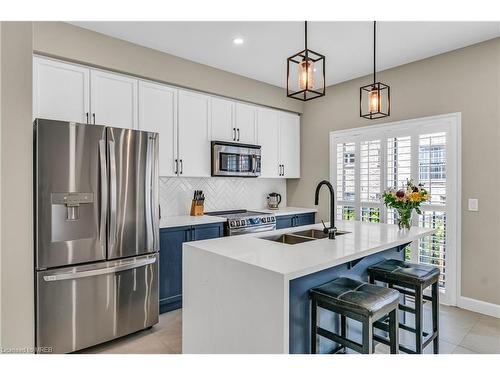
{"x": 478, "y": 306}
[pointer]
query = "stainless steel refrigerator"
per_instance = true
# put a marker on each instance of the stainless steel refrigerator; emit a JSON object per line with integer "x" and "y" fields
{"x": 96, "y": 233}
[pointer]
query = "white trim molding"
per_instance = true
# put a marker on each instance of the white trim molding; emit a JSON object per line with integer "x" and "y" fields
{"x": 479, "y": 306}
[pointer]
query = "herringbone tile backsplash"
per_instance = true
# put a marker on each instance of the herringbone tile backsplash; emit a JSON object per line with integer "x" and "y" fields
{"x": 220, "y": 193}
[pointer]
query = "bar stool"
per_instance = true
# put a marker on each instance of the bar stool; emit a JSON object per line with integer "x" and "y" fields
{"x": 411, "y": 279}
{"x": 357, "y": 300}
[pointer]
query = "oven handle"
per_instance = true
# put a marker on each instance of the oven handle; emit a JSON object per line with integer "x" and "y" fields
{"x": 261, "y": 228}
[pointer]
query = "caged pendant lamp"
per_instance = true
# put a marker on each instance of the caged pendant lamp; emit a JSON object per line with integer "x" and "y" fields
{"x": 375, "y": 98}
{"x": 305, "y": 74}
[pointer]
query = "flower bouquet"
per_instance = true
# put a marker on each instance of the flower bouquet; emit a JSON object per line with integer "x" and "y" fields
{"x": 405, "y": 200}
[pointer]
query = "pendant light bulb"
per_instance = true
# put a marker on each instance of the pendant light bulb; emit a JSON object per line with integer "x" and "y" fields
{"x": 374, "y": 100}
{"x": 306, "y": 75}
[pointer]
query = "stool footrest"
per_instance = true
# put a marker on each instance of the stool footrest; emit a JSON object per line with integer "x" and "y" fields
{"x": 430, "y": 339}
{"x": 407, "y": 308}
{"x": 402, "y": 348}
{"x": 385, "y": 327}
{"x": 340, "y": 340}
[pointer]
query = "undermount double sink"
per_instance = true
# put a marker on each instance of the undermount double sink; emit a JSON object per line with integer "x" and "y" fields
{"x": 301, "y": 236}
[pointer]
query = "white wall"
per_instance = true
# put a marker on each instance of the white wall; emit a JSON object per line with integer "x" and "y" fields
{"x": 16, "y": 215}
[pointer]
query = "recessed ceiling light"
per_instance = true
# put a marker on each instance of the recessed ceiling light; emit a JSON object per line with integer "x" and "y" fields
{"x": 238, "y": 41}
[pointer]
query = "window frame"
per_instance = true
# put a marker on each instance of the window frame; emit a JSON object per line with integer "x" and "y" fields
{"x": 451, "y": 125}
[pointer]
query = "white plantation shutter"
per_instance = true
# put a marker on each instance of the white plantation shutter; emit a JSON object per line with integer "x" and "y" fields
{"x": 366, "y": 161}
{"x": 370, "y": 180}
{"x": 398, "y": 167}
{"x": 346, "y": 180}
{"x": 432, "y": 173}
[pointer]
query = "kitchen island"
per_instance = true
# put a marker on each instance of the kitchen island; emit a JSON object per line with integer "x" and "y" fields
{"x": 249, "y": 293}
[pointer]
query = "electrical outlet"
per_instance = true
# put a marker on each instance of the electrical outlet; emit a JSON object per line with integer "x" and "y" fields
{"x": 473, "y": 204}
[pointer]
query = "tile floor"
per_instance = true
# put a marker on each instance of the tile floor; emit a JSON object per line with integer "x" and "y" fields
{"x": 461, "y": 331}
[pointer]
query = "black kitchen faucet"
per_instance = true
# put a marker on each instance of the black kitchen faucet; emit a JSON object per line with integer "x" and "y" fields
{"x": 332, "y": 231}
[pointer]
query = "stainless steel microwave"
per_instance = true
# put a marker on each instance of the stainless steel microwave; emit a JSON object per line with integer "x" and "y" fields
{"x": 235, "y": 159}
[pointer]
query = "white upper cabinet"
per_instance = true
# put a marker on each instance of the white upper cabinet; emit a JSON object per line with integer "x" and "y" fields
{"x": 245, "y": 123}
{"x": 158, "y": 113}
{"x": 113, "y": 99}
{"x": 222, "y": 120}
{"x": 268, "y": 138}
{"x": 289, "y": 135}
{"x": 186, "y": 120}
{"x": 60, "y": 90}
{"x": 194, "y": 134}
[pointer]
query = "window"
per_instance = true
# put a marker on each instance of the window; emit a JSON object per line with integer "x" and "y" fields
{"x": 345, "y": 212}
{"x": 432, "y": 165}
{"x": 345, "y": 171}
{"x": 366, "y": 161}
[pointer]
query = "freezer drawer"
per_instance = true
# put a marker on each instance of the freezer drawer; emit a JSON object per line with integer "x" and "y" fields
{"x": 81, "y": 306}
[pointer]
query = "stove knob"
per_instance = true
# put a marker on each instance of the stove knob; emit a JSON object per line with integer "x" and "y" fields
{"x": 232, "y": 223}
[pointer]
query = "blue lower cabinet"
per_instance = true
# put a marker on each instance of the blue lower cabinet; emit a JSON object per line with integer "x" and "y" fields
{"x": 171, "y": 240}
{"x": 304, "y": 219}
{"x": 289, "y": 221}
{"x": 207, "y": 231}
{"x": 283, "y": 222}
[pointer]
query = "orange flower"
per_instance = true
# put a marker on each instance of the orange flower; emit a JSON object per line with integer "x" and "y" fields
{"x": 415, "y": 197}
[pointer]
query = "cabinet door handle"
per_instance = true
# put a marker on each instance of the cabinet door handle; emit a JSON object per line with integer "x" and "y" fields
{"x": 87, "y": 116}
{"x": 182, "y": 167}
{"x": 234, "y": 134}
{"x": 93, "y": 117}
{"x": 283, "y": 173}
{"x": 176, "y": 166}
{"x": 238, "y": 130}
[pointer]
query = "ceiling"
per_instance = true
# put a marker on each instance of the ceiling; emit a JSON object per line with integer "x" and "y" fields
{"x": 346, "y": 45}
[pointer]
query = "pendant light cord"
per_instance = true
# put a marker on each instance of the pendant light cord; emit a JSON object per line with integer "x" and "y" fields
{"x": 305, "y": 34}
{"x": 374, "y": 51}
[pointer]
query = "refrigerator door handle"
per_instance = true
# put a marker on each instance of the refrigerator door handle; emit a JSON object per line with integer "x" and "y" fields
{"x": 100, "y": 271}
{"x": 104, "y": 193}
{"x": 112, "y": 195}
{"x": 151, "y": 194}
{"x": 155, "y": 203}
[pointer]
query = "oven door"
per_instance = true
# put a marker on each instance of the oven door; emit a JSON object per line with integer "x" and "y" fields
{"x": 235, "y": 160}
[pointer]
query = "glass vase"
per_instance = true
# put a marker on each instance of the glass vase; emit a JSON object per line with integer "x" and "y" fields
{"x": 404, "y": 219}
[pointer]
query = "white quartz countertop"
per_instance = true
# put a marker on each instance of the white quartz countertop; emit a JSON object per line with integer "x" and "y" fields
{"x": 301, "y": 259}
{"x": 182, "y": 220}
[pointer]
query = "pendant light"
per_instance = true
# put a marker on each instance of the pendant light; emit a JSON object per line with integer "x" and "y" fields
{"x": 305, "y": 73}
{"x": 375, "y": 98}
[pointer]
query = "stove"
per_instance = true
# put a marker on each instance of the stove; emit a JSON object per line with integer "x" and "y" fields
{"x": 243, "y": 221}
